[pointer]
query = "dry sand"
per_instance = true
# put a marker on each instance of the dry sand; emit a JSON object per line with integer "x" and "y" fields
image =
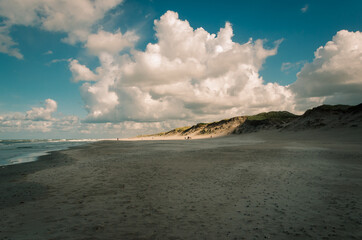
{"x": 175, "y": 137}
{"x": 305, "y": 185}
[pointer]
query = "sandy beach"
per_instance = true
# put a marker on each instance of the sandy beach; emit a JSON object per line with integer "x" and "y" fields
{"x": 267, "y": 185}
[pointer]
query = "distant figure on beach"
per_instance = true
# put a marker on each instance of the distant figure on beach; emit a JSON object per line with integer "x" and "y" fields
{"x": 117, "y": 139}
{"x": 188, "y": 137}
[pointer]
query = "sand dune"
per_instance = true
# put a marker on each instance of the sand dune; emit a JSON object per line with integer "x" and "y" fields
{"x": 265, "y": 185}
{"x": 323, "y": 117}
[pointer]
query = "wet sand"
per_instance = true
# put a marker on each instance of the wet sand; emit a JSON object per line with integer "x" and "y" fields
{"x": 305, "y": 185}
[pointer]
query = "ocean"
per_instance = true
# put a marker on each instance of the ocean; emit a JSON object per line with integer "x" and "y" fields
{"x": 21, "y": 151}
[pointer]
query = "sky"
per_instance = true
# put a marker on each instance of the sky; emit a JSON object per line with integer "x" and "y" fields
{"x": 119, "y": 68}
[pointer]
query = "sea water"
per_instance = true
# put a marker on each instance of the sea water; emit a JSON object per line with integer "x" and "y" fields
{"x": 21, "y": 151}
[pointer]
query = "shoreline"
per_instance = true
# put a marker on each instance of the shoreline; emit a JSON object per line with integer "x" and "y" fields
{"x": 245, "y": 186}
{"x": 21, "y": 151}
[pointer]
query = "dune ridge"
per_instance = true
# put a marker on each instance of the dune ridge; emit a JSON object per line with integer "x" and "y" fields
{"x": 321, "y": 117}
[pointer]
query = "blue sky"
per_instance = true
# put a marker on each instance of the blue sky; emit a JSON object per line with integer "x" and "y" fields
{"x": 41, "y": 57}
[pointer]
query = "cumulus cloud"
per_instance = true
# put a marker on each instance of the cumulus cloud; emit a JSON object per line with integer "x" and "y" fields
{"x": 42, "y": 113}
{"x": 187, "y": 74}
{"x": 100, "y": 98}
{"x": 35, "y": 114}
{"x": 38, "y": 122}
{"x": 108, "y": 42}
{"x": 334, "y": 76}
{"x": 41, "y": 120}
{"x": 75, "y": 18}
{"x": 36, "y": 119}
{"x": 81, "y": 72}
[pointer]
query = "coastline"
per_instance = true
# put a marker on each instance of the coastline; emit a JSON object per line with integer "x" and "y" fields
{"x": 18, "y": 151}
{"x": 244, "y": 186}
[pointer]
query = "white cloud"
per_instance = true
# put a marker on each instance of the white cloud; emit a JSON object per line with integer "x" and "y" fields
{"x": 42, "y": 113}
{"x": 108, "y": 42}
{"x": 287, "y": 67}
{"x": 18, "y": 125}
{"x": 67, "y": 123}
{"x": 187, "y": 74}
{"x": 334, "y": 76}
{"x": 7, "y": 45}
{"x": 58, "y": 61}
{"x": 38, "y": 119}
{"x": 75, "y": 18}
{"x": 81, "y": 72}
{"x": 100, "y": 98}
{"x": 305, "y": 8}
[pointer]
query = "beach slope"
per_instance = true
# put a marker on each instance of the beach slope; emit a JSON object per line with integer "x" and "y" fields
{"x": 266, "y": 185}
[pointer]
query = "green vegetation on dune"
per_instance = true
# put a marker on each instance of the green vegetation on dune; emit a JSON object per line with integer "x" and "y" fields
{"x": 181, "y": 129}
{"x": 333, "y": 107}
{"x": 272, "y": 115}
{"x": 328, "y": 108}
